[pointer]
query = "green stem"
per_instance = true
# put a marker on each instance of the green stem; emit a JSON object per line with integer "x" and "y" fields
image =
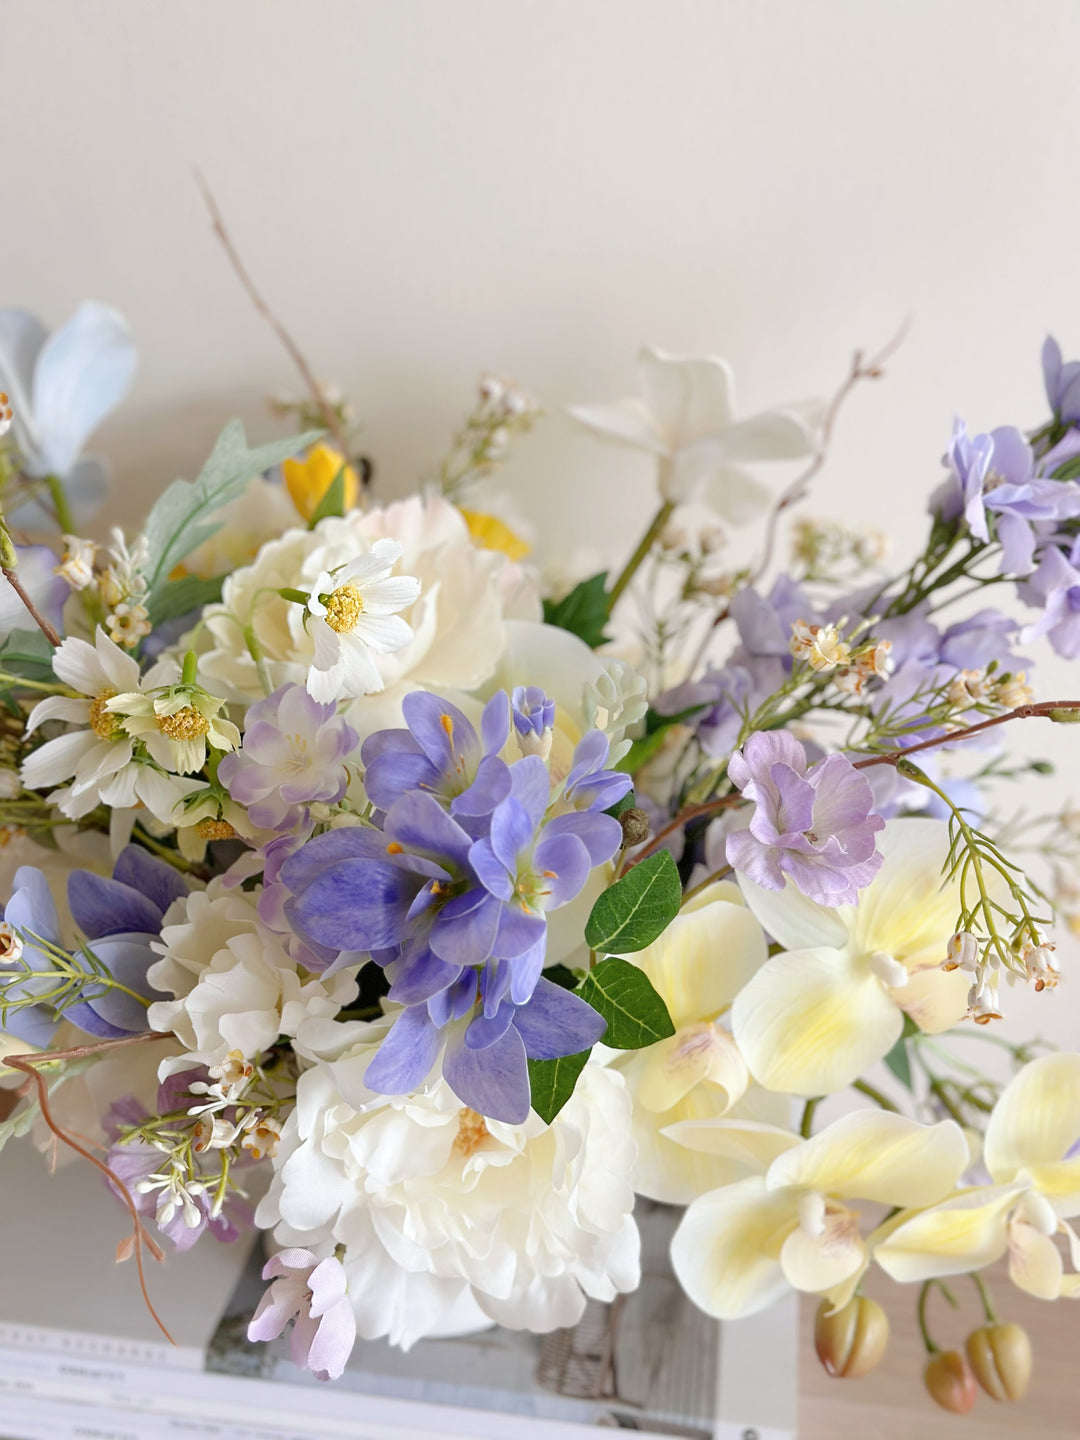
{"x": 50, "y": 688}
{"x": 255, "y": 650}
{"x": 932, "y": 1347}
{"x": 172, "y": 856}
{"x": 984, "y": 1296}
{"x": 648, "y": 540}
{"x": 806, "y": 1126}
{"x": 65, "y": 518}
{"x": 865, "y": 1088}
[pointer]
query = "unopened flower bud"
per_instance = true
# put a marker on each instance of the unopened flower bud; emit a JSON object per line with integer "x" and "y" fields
{"x": 1000, "y": 1356}
{"x": 852, "y": 1340}
{"x": 635, "y": 827}
{"x": 962, "y": 952}
{"x": 1039, "y": 964}
{"x": 950, "y": 1382}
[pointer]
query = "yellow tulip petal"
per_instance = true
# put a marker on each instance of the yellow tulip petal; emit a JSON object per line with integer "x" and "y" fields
{"x": 726, "y": 1251}
{"x": 967, "y": 1232}
{"x": 875, "y": 1155}
{"x": 811, "y": 1021}
{"x": 1035, "y": 1263}
{"x": 693, "y": 1054}
{"x": 491, "y": 533}
{"x": 816, "y": 1263}
{"x": 753, "y": 1143}
{"x": 308, "y": 480}
{"x": 1037, "y": 1118}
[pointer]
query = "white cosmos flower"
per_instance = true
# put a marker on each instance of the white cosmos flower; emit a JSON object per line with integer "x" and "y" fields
{"x": 1029, "y": 1151}
{"x": 685, "y": 416}
{"x": 99, "y": 758}
{"x": 235, "y": 986}
{"x": 449, "y": 1220}
{"x": 813, "y": 1019}
{"x": 740, "y": 1248}
{"x": 354, "y": 617}
{"x": 697, "y": 966}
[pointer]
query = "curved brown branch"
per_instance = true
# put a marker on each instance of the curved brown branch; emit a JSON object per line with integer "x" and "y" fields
{"x": 1043, "y": 710}
{"x": 693, "y": 812}
{"x": 134, "y": 1243}
{"x": 47, "y": 629}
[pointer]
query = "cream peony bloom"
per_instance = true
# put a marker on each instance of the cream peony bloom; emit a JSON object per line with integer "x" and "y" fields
{"x": 813, "y": 1019}
{"x": 1029, "y": 1152}
{"x": 697, "y": 966}
{"x": 235, "y": 986}
{"x": 685, "y": 416}
{"x": 457, "y": 623}
{"x": 450, "y": 1221}
{"x": 740, "y": 1248}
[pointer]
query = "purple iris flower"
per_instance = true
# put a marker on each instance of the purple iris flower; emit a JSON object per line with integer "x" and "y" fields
{"x": 815, "y": 824}
{"x": 1062, "y": 382}
{"x": 1055, "y": 588}
{"x": 293, "y": 754}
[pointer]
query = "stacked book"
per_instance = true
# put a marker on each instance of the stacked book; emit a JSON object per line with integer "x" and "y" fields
{"x": 80, "y": 1358}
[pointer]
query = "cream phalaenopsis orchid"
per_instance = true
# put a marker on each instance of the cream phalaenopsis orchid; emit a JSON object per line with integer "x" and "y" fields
{"x": 697, "y": 966}
{"x": 685, "y": 416}
{"x": 1030, "y": 1153}
{"x": 740, "y": 1248}
{"x": 812, "y": 1019}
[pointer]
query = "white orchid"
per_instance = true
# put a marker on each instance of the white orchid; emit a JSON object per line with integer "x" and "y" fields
{"x": 740, "y": 1248}
{"x": 61, "y": 387}
{"x": 812, "y": 1019}
{"x": 1029, "y": 1151}
{"x": 685, "y": 416}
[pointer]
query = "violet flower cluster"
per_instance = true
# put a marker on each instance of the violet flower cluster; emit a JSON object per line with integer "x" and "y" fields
{"x": 450, "y": 890}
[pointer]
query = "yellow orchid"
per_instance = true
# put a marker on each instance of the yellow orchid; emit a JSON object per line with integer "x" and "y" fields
{"x": 740, "y": 1248}
{"x": 813, "y": 1019}
{"x": 491, "y": 533}
{"x": 1029, "y": 1153}
{"x": 308, "y": 480}
{"x": 707, "y": 953}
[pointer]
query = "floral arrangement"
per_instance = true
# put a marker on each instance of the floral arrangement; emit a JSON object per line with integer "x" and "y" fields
{"x": 361, "y": 888}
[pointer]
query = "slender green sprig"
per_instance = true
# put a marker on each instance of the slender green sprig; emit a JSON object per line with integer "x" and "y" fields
{"x": 67, "y": 979}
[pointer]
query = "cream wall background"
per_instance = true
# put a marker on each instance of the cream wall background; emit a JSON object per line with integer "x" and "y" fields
{"x": 430, "y": 188}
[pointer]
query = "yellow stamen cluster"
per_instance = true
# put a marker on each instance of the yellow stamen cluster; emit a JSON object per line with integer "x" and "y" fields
{"x": 105, "y": 725}
{"x": 185, "y": 724}
{"x": 472, "y": 1132}
{"x": 210, "y": 829}
{"x": 343, "y": 608}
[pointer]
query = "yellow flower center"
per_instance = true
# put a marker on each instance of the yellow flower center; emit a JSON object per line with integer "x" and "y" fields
{"x": 185, "y": 724}
{"x": 209, "y": 829}
{"x": 104, "y": 723}
{"x": 472, "y": 1132}
{"x": 343, "y": 608}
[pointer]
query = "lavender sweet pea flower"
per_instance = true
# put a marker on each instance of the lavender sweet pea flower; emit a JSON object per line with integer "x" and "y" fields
{"x": 1055, "y": 588}
{"x": 38, "y": 577}
{"x": 314, "y": 1295}
{"x": 293, "y": 754}
{"x": 1062, "y": 382}
{"x": 815, "y": 825}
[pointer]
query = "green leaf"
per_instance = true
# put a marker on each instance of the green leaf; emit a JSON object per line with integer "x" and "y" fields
{"x": 624, "y": 995}
{"x": 899, "y": 1062}
{"x": 636, "y": 909}
{"x": 641, "y": 752}
{"x": 552, "y": 1082}
{"x": 27, "y": 653}
{"x": 627, "y": 802}
{"x": 583, "y": 612}
{"x": 181, "y": 518}
{"x": 174, "y": 598}
{"x": 333, "y": 501}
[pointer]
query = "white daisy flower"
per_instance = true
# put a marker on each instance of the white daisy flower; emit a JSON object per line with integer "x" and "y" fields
{"x": 175, "y": 723}
{"x": 352, "y": 617}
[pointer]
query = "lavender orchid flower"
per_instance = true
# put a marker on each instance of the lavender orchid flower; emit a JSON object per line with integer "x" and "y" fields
{"x": 815, "y": 825}
{"x": 313, "y": 1294}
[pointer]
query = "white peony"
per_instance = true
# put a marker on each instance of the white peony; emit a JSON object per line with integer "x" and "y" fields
{"x": 449, "y": 1220}
{"x": 457, "y": 622}
{"x": 235, "y": 985}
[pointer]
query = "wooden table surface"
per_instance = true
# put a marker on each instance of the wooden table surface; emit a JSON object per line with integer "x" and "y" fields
{"x": 891, "y": 1404}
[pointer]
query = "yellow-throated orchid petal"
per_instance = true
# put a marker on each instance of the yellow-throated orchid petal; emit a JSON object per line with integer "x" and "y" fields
{"x": 935, "y": 999}
{"x": 705, "y": 956}
{"x": 694, "y": 1053}
{"x": 875, "y": 1155}
{"x": 817, "y": 1263}
{"x": 906, "y": 911}
{"x": 811, "y": 1021}
{"x": 308, "y": 480}
{"x": 1035, "y": 1263}
{"x": 1037, "y": 1118}
{"x": 794, "y": 921}
{"x": 726, "y": 1251}
{"x": 753, "y": 1143}
{"x": 964, "y": 1233}
{"x": 1059, "y": 1184}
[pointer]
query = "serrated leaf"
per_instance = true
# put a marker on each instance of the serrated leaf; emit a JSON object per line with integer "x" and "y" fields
{"x": 180, "y": 597}
{"x": 899, "y": 1062}
{"x": 181, "y": 517}
{"x": 552, "y": 1082}
{"x": 624, "y": 995}
{"x": 333, "y": 500}
{"x": 635, "y": 910}
{"x": 583, "y": 612}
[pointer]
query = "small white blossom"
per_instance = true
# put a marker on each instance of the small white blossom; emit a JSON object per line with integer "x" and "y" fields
{"x": 1039, "y": 964}
{"x": 77, "y": 565}
{"x": 820, "y": 646}
{"x": 128, "y": 624}
{"x": 11, "y": 945}
{"x": 962, "y": 952}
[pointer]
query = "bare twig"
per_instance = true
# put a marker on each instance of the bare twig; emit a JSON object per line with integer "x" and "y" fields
{"x": 134, "y": 1244}
{"x": 12, "y": 577}
{"x": 1043, "y": 710}
{"x": 693, "y": 812}
{"x": 326, "y": 410}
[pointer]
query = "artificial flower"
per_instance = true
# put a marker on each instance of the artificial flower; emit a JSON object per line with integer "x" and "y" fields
{"x": 313, "y": 1294}
{"x": 308, "y": 480}
{"x": 1062, "y": 381}
{"x": 175, "y": 721}
{"x": 352, "y": 618}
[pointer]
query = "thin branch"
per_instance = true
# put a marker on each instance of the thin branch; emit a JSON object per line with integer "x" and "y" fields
{"x": 1045, "y": 709}
{"x": 326, "y": 410}
{"x": 12, "y": 577}
{"x": 28, "y": 1065}
{"x": 709, "y": 807}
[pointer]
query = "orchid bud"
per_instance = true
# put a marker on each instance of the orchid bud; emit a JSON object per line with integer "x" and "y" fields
{"x": 1000, "y": 1356}
{"x": 950, "y": 1382}
{"x": 851, "y": 1341}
